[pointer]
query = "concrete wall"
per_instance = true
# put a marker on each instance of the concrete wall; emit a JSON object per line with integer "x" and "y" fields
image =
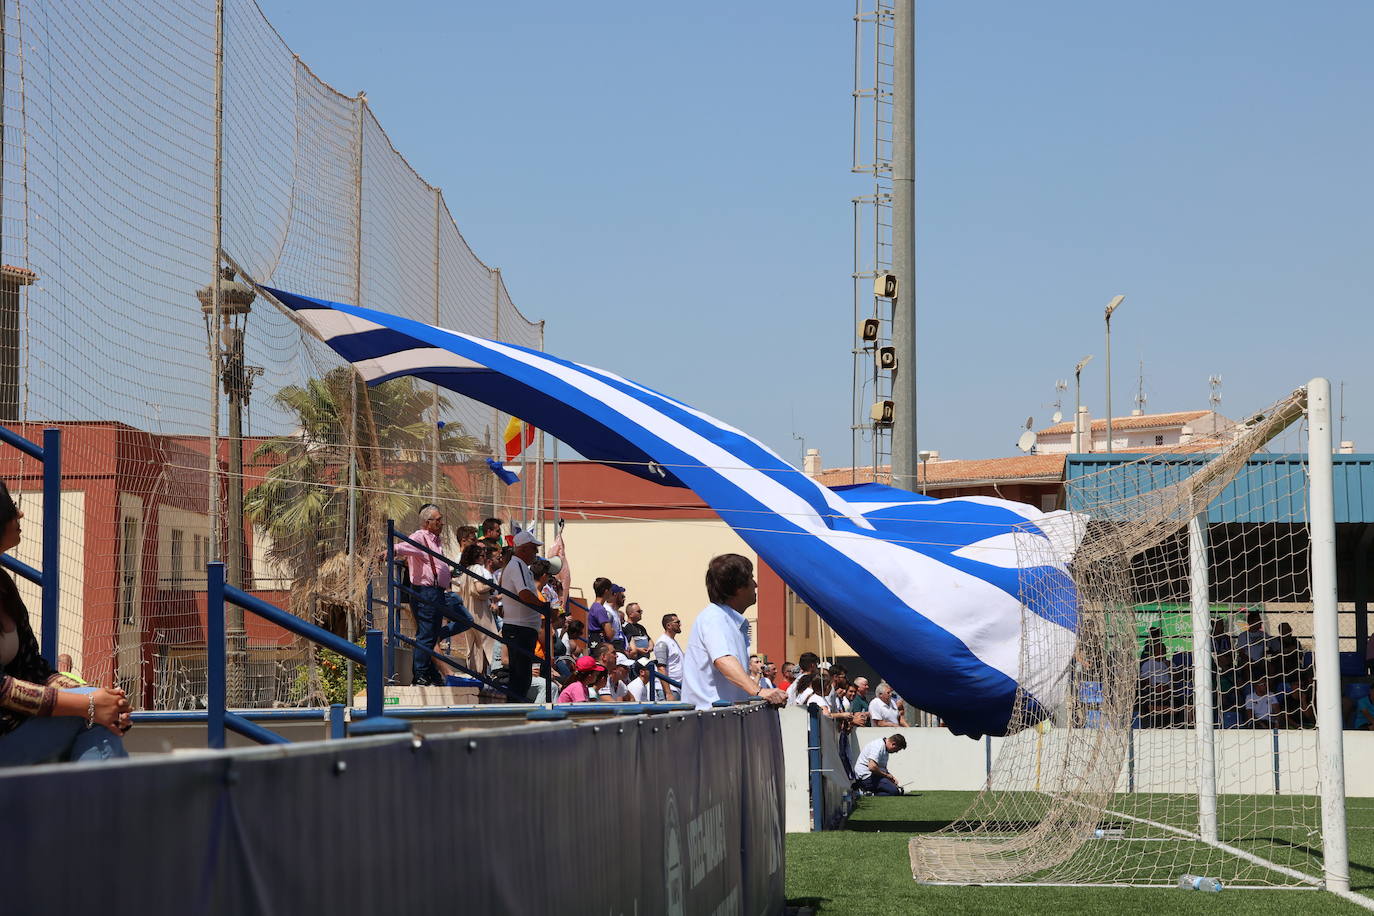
{"x": 936, "y": 760}
{"x": 72, "y": 607}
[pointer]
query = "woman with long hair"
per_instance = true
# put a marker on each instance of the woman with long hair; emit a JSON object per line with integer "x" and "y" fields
{"x": 46, "y": 716}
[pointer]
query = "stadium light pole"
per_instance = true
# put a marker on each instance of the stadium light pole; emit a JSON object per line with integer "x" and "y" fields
{"x": 1111, "y": 307}
{"x": 904, "y": 450}
{"x": 1078, "y": 403}
{"x": 236, "y": 378}
{"x": 925, "y": 470}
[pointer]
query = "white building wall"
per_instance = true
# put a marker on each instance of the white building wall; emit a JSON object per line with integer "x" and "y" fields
{"x": 662, "y": 564}
{"x": 71, "y": 612}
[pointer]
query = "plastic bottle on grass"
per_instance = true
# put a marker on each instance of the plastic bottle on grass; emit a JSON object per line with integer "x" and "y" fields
{"x": 1197, "y": 883}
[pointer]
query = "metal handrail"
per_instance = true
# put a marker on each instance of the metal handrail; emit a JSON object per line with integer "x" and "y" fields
{"x": 545, "y": 612}
{"x": 218, "y": 717}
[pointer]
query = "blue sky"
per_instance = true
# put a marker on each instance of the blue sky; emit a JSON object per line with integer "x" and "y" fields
{"x": 668, "y": 186}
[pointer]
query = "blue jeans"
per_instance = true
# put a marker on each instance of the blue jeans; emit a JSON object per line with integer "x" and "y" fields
{"x": 431, "y": 603}
{"x": 57, "y": 738}
{"x": 879, "y": 785}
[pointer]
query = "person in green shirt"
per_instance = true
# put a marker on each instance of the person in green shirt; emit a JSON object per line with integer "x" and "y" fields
{"x": 858, "y": 695}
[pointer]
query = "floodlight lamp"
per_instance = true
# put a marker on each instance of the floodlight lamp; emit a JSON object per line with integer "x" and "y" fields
{"x": 1114, "y": 304}
{"x": 1081, "y": 363}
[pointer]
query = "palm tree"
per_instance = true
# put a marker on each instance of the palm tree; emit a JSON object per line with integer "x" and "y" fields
{"x": 302, "y": 504}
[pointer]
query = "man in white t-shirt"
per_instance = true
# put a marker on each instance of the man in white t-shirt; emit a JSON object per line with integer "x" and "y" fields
{"x": 806, "y": 665}
{"x": 522, "y": 620}
{"x": 667, "y": 652}
{"x": 871, "y": 766}
{"x": 883, "y": 710}
{"x": 713, "y": 665}
{"x": 640, "y": 691}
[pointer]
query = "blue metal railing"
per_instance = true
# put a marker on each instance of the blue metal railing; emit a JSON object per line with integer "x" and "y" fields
{"x": 218, "y": 717}
{"x": 394, "y": 635}
{"x": 51, "y": 456}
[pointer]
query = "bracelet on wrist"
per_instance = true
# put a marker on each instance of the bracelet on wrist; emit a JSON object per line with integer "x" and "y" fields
{"x": 90, "y": 709}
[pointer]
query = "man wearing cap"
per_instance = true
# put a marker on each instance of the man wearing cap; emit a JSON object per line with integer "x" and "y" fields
{"x": 430, "y": 578}
{"x": 713, "y": 666}
{"x": 640, "y": 689}
{"x": 521, "y": 618}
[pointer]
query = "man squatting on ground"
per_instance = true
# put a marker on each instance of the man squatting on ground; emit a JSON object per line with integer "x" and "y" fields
{"x": 871, "y": 766}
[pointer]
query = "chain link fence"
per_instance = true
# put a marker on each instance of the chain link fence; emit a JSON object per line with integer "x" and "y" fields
{"x": 139, "y": 138}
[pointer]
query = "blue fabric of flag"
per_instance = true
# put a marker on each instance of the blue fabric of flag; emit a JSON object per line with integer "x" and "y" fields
{"x": 508, "y": 477}
{"x": 964, "y": 606}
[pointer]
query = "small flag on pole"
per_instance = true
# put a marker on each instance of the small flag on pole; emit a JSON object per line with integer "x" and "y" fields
{"x": 507, "y": 476}
{"x": 519, "y": 435}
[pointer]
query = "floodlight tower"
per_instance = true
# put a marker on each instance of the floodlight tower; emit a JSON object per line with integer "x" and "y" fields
{"x": 904, "y": 452}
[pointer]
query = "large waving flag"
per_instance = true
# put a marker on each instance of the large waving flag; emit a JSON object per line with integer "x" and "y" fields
{"x": 929, "y": 592}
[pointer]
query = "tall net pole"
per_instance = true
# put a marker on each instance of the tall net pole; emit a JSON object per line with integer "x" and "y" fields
{"x": 1325, "y": 637}
{"x": 904, "y": 246}
{"x": 1200, "y": 588}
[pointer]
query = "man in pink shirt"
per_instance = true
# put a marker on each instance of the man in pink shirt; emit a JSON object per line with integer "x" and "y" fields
{"x": 430, "y": 577}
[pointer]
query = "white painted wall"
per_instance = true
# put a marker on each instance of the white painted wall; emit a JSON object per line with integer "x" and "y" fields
{"x": 936, "y": 760}
{"x": 662, "y": 564}
{"x": 72, "y": 576}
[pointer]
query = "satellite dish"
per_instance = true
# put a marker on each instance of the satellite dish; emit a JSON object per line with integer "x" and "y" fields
{"x": 1026, "y": 442}
{"x": 1058, "y": 415}
{"x": 1030, "y": 421}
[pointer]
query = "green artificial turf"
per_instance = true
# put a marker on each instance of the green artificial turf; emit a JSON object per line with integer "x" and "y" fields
{"x": 865, "y": 870}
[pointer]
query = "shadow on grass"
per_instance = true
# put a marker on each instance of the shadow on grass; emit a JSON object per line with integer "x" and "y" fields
{"x": 896, "y": 826}
{"x": 815, "y": 903}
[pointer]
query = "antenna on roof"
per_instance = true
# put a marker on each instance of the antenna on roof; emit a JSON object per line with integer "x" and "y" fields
{"x": 1140, "y": 389}
{"x": 1214, "y": 383}
{"x": 1060, "y": 386}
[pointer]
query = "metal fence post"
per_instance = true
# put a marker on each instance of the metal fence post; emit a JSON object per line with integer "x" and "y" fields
{"x": 813, "y": 760}
{"x": 336, "y": 722}
{"x": 390, "y": 599}
{"x": 216, "y": 685}
{"x": 374, "y": 673}
{"x": 52, "y": 523}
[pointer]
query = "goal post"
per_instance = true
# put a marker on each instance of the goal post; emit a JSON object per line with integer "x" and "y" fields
{"x": 1326, "y": 636}
{"x": 1196, "y": 732}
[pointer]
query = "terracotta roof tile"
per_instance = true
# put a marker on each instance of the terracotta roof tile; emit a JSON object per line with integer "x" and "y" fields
{"x": 1017, "y": 467}
{"x": 1145, "y": 421}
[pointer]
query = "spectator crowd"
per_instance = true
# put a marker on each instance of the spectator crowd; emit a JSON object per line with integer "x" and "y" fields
{"x": 1259, "y": 679}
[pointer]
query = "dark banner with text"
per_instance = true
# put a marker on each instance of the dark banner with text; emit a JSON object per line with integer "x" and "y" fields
{"x": 622, "y": 816}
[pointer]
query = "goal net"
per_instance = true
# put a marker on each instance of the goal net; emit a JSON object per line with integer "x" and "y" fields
{"x": 1186, "y": 740}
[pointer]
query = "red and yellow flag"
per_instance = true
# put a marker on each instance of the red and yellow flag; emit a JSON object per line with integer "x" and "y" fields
{"x": 519, "y": 435}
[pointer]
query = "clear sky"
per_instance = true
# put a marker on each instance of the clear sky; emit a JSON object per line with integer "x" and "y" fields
{"x": 668, "y": 185}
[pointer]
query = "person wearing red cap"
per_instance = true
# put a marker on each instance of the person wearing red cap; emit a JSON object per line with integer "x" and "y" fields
{"x": 586, "y": 671}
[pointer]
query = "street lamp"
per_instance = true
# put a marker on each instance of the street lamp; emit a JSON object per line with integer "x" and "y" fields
{"x": 236, "y": 301}
{"x": 925, "y": 470}
{"x": 1111, "y": 307}
{"x": 1078, "y": 404}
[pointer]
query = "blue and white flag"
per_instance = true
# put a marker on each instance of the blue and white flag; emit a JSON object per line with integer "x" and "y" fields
{"x": 927, "y": 591}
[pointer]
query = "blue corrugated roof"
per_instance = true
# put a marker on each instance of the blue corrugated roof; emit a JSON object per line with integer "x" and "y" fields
{"x": 1270, "y": 488}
